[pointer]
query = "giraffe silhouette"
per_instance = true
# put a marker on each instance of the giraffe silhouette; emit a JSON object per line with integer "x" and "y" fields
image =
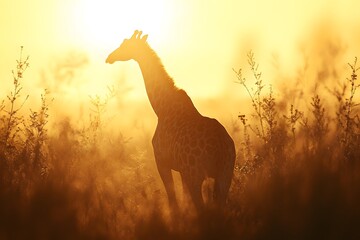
{"x": 196, "y": 146}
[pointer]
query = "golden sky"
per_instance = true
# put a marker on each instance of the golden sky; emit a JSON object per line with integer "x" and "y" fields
{"x": 198, "y": 41}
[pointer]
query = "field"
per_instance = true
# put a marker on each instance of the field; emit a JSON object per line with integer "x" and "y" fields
{"x": 297, "y": 172}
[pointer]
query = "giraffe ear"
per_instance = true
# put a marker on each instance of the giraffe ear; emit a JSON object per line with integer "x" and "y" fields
{"x": 144, "y": 38}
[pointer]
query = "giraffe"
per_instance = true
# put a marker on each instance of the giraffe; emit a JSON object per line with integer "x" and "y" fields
{"x": 196, "y": 146}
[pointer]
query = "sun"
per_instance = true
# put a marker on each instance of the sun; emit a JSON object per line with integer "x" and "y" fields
{"x": 109, "y": 21}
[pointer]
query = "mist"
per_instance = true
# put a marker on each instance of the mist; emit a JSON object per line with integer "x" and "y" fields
{"x": 76, "y": 158}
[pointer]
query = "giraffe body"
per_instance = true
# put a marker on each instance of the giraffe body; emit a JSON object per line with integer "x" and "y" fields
{"x": 185, "y": 141}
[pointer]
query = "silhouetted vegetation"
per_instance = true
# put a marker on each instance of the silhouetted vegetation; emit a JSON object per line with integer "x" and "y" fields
{"x": 297, "y": 173}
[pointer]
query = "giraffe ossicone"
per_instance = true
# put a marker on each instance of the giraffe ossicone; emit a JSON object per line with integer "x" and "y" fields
{"x": 196, "y": 146}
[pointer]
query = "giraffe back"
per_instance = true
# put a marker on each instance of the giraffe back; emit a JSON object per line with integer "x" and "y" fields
{"x": 194, "y": 144}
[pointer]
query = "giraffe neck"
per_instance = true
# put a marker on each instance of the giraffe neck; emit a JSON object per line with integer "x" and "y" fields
{"x": 159, "y": 85}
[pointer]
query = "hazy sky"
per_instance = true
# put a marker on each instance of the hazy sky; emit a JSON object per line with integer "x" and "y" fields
{"x": 198, "y": 41}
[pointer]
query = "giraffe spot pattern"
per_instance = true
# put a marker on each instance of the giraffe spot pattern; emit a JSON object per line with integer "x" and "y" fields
{"x": 184, "y": 140}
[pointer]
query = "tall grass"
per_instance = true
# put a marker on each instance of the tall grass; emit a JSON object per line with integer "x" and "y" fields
{"x": 312, "y": 190}
{"x": 296, "y": 175}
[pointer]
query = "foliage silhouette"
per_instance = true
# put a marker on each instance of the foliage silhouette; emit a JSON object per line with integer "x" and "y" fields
{"x": 296, "y": 176}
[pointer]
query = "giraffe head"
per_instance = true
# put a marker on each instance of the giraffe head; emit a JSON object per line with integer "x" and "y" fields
{"x": 129, "y": 49}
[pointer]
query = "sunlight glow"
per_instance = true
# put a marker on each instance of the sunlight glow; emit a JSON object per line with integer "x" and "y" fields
{"x": 109, "y": 21}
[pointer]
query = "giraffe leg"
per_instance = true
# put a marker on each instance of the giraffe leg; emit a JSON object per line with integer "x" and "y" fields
{"x": 224, "y": 177}
{"x": 167, "y": 178}
{"x": 219, "y": 193}
{"x": 221, "y": 189}
{"x": 185, "y": 190}
{"x": 194, "y": 188}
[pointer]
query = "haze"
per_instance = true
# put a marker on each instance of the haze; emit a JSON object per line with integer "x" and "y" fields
{"x": 78, "y": 163}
